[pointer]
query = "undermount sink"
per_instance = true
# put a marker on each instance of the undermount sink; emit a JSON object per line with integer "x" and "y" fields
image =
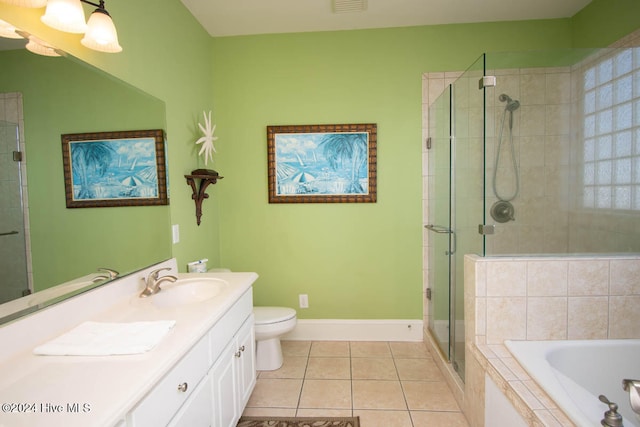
{"x": 188, "y": 291}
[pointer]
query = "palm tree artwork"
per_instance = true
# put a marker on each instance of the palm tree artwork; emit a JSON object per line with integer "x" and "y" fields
{"x": 347, "y": 151}
{"x": 91, "y": 161}
{"x": 328, "y": 163}
{"x": 113, "y": 169}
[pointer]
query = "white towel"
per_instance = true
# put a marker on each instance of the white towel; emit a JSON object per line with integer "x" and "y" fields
{"x": 103, "y": 339}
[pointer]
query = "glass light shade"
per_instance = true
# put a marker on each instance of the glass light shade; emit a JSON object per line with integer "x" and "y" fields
{"x": 8, "y": 31}
{"x": 65, "y": 15}
{"x": 101, "y": 34}
{"x": 26, "y": 3}
{"x": 39, "y": 47}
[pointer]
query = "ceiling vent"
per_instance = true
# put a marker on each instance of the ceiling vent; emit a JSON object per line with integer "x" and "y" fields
{"x": 346, "y": 6}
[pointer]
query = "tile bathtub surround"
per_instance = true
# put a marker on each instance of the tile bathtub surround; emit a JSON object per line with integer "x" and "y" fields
{"x": 556, "y": 298}
{"x": 384, "y": 383}
{"x": 535, "y": 298}
{"x": 531, "y": 402}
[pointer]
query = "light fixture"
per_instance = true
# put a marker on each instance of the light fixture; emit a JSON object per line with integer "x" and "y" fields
{"x": 101, "y": 34}
{"x": 65, "y": 15}
{"x": 8, "y": 31}
{"x": 68, "y": 16}
{"x": 39, "y": 47}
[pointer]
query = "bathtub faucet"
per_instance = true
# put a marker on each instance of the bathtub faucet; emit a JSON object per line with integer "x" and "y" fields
{"x": 633, "y": 387}
{"x": 611, "y": 417}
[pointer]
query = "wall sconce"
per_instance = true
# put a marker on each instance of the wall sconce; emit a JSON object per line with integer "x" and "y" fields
{"x": 68, "y": 16}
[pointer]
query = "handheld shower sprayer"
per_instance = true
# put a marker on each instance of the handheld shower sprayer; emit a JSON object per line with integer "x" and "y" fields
{"x": 512, "y": 105}
{"x": 502, "y": 210}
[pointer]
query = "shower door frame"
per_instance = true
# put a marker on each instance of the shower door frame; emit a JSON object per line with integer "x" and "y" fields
{"x": 467, "y": 137}
{"x": 13, "y": 114}
{"x": 439, "y": 226}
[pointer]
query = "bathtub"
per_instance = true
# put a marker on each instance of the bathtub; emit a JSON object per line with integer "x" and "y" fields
{"x": 575, "y": 373}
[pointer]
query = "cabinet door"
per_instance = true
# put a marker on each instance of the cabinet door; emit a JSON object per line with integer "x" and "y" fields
{"x": 225, "y": 393}
{"x": 197, "y": 410}
{"x": 246, "y": 362}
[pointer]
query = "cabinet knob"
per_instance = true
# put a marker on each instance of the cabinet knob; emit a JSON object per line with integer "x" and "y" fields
{"x": 242, "y": 348}
{"x": 183, "y": 387}
{"x": 237, "y": 353}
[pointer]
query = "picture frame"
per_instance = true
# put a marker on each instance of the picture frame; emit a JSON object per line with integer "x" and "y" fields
{"x": 120, "y": 168}
{"x": 330, "y": 163}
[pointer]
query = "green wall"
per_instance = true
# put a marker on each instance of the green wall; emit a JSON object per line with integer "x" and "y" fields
{"x": 603, "y": 22}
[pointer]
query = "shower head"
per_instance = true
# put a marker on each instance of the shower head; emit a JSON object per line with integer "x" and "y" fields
{"x": 512, "y": 105}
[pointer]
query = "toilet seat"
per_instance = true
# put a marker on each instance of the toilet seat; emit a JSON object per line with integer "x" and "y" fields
{"x": 270, "y": 315}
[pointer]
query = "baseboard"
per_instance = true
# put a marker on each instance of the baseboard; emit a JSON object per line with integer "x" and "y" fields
{"x": 356, "y": 330}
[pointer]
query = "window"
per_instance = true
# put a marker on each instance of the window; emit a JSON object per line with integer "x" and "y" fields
{"x": 611, "y": 130}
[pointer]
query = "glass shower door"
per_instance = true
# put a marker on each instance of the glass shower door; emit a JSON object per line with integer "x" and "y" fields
{"x": 467, "y": 193}
{"x": 455, "y": 206}
{"x": 437, "y": 229}
{"x": 13, "y": 261}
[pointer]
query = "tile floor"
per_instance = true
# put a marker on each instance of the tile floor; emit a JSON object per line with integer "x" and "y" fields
{"x": 386, "y": 384}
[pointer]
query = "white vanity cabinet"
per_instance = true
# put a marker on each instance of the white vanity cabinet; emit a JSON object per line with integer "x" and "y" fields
{"x": 212, "y": 383}
{"x": 234, "y": 376}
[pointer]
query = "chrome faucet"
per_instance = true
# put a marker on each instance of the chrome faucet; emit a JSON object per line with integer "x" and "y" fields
{"x": 107, "y": 274}
{"x": 611, "y": 417}
{"x": 152, "y": 282}
{"x": 112, "y": 274}
{"x": 633, "y": 387}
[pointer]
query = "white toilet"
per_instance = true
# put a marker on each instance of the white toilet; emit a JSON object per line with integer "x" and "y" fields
{"x": 270, "y": 324}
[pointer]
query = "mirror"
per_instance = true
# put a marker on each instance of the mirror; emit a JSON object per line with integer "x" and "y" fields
{"x": 63, "y": 95}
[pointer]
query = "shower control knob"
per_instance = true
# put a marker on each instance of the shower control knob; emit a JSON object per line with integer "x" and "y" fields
{"x": 502, "y": 211}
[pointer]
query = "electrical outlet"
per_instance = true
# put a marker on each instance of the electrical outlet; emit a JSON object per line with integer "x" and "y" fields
{"x": 304, "y": 300}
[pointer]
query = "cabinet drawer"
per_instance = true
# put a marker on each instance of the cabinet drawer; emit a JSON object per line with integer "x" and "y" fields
{"x": 160, "y": 405}
{"x": 198, "y": 410}
{"x": 227, "y": 326}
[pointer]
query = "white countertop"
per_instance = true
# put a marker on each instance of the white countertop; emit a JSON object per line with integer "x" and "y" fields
{"x": 100, "y": 390}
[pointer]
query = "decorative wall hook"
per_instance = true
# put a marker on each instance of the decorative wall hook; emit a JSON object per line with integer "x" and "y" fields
{"x": 205, "y": 177}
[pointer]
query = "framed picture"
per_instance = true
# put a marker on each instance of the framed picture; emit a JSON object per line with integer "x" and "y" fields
{"x": 106, "y": 169}
{"x": 322, "y": 163}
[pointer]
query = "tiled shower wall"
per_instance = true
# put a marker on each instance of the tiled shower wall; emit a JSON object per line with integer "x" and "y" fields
{"x": 528, "y": 298}
{"x": 542, "y": 152}
{"x": 541, "y": 137}
{"x": 14, "y": 250}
